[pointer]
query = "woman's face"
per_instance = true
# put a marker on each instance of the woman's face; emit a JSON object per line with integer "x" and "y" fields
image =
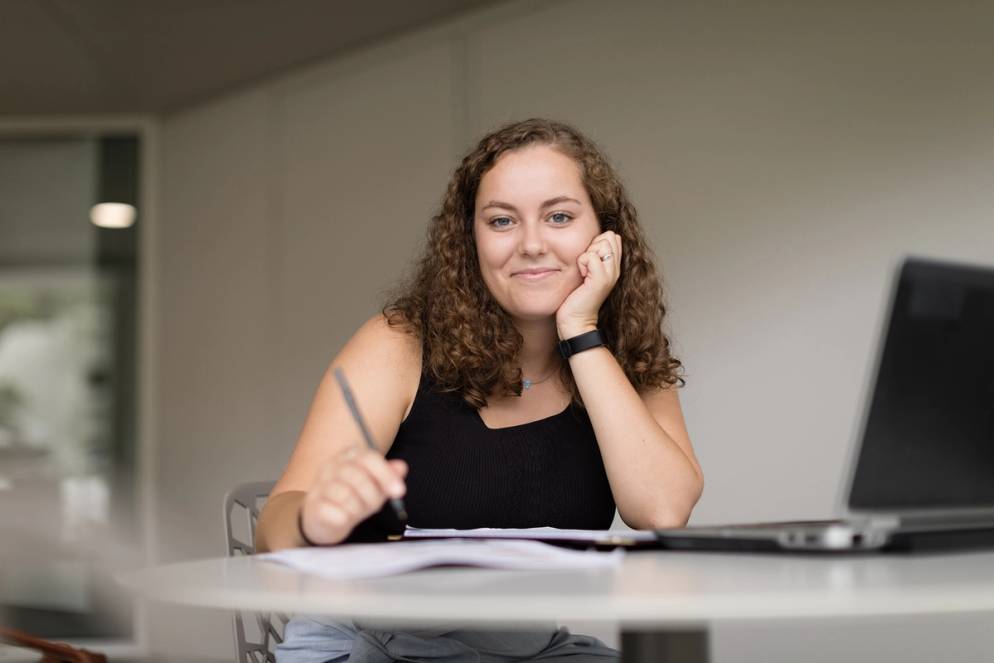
{"x": 532, "y": 219}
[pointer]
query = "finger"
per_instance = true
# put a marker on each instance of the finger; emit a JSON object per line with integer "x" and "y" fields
{"x": 333, "y": 515}
{"x": 604, "y": 237}
{"x": 583, "y": 263}
{"x": 607, "y": 253}
{"x": 381, "y": 472}
{"x": 327, "y": 479}
{"x": 365, "y": 487}
{"x": 598, "y": 244}
{"x": 399, "y": 467}
{"x": 605, "y": 271}
{"x": 614, "y": 241}
{"x": 601, "y": 246}
{"x": 617, "y": 243}
{"x": 598, "y": 267}
{"x": 343, "y": 496}
{"x": 604, "y": 242}
{"x": 610, "y": 240}
{"x": 324, "y": 522}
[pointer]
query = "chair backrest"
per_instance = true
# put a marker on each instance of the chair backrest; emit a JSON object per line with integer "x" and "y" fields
{"x": 256, "y": 634}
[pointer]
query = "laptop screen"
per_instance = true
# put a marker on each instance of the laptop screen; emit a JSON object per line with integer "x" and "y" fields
{"x": 928, "y": 441}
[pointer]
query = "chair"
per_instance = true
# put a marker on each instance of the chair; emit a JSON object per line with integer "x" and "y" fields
{"x": 256, "y": 634}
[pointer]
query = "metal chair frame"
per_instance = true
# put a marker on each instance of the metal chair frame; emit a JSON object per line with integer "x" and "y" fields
{"x": 248, "y": 498}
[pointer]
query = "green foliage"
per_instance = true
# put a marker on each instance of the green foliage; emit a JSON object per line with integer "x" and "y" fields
{"x": 10, "y": 400}
{"x": 37, "y": 303}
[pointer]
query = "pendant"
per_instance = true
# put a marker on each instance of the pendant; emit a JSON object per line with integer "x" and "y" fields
{"x": 526, "y": 383}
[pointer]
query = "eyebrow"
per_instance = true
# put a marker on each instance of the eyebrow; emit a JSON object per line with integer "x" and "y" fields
{"x": 548, "y": 203}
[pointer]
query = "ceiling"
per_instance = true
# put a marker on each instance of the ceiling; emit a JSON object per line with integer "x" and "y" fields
{"x": 137, "y": 56}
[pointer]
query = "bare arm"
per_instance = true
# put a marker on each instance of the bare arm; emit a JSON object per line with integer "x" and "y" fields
{"x": 331, "y": 480}
{"x": 654, "y": 475}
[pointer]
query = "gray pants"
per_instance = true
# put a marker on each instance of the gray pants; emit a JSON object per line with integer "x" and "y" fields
{"x": 313, "y": 640}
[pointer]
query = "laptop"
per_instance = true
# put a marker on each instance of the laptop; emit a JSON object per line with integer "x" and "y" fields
{"x": 921, "y": 476}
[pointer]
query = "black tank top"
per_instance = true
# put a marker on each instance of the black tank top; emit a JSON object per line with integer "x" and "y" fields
{"x": 546, "y": 473}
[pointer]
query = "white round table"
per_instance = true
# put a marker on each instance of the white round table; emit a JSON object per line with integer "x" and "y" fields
{"x": 650, "y": 594}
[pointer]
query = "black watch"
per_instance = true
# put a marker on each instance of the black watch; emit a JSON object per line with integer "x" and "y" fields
{"x": 570, "y": 346}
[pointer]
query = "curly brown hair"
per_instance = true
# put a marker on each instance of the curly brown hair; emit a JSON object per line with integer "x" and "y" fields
{"x": 470, "y": 346}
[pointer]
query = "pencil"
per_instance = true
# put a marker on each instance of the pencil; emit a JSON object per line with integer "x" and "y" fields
{"x": 395, "y": 502}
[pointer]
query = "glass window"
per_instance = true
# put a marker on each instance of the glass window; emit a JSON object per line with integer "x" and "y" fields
{"x": 68, "y": 507}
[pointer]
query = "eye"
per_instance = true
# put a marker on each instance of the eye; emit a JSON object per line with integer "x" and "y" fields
{"x": 560, "y": 218}
{"x": 500, "y": 222}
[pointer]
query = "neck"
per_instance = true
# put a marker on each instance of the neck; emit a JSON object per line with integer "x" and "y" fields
{"x": 538, "y": 351}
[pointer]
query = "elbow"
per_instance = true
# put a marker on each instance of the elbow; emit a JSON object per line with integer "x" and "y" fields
{"x": 669, "y": 518}
{"x": 671, "y": 513}
{"x": 694, "y": 492}
{"x": 661, "y": 519}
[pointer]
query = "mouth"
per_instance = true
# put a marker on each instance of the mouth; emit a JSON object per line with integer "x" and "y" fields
{"x": 534, "y": 274}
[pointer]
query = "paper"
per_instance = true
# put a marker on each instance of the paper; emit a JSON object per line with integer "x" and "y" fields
{"x": 536, "y": 533}
{"x": 385, "y": 559}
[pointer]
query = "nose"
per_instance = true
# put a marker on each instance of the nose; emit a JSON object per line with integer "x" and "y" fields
{"x": 532, "y": 241}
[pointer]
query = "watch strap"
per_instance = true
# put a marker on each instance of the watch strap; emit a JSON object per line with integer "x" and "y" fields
{"x": 570, "y": 346}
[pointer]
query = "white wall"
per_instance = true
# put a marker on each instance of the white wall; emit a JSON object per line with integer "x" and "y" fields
{"x": 276, "y": 204}
{"x": 782, "y": 156}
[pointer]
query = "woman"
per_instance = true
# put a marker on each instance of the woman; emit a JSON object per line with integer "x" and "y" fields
{"x": 481, "y": 419}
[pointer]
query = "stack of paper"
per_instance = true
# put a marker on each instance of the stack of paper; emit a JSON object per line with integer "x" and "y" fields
{"x": 384, "y": 559}
{"x": 595, "y": 536}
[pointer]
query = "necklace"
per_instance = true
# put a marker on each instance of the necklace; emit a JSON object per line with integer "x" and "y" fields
{"x": 528, "y": 384}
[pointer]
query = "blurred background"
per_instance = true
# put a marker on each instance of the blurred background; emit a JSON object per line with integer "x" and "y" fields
{"x": 277, "y": 162}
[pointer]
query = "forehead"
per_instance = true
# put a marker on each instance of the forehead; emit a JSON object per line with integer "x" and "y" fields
{"x": 533, "y": 171}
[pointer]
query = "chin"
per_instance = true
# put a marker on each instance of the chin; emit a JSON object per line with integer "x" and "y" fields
{"x": 534, "y": 312}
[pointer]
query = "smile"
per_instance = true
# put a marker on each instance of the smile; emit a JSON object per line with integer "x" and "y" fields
{"x": 534, "y": 274}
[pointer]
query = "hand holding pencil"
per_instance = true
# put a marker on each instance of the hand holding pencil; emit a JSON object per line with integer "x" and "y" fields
{"x": 356, "y": 486}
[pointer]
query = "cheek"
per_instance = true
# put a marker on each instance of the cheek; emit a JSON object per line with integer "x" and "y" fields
{"x": 488, "y": 255}
{"x": 492, "y": 253}
{"x": 575, "y": 249}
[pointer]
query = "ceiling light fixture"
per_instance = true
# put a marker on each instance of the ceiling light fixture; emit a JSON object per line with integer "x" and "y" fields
{"x": 113, "y": 215}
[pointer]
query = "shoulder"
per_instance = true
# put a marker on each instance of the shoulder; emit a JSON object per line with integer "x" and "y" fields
{"x": 384, "y": 356}
{"x": 377, "y": 344}
{"x": 395, "y": 340}
{"x": 383, "y": 367}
